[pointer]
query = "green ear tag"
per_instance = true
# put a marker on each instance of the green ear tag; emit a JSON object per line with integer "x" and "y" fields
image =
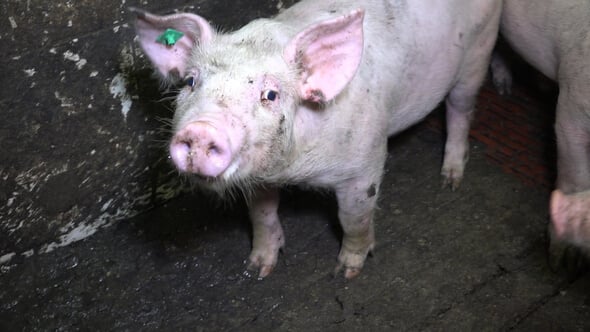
{"x": 169, "y": 37}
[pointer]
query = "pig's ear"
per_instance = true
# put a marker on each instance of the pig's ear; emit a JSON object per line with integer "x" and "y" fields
{"x": 170, "y": 58}
{"x": 327, "y": 56}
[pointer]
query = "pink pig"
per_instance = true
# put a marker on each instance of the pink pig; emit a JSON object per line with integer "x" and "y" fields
{"x": 553, "y": 36}
{"x": 311, "y": 96}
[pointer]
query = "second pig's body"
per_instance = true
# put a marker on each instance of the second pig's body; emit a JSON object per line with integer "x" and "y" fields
{"x": 554, "y": 37}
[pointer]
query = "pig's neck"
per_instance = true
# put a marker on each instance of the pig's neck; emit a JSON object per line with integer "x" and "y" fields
{"x": 304, "y": 159}
{"x": 320, "y": 154}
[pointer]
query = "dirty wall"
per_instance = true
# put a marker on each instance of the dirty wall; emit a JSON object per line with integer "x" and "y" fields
{"x": 83, "y": 123}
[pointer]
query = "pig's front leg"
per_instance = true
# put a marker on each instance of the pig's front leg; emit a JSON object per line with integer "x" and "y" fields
{"x": 356, "y": 203}
{"x": 268, "y": 233}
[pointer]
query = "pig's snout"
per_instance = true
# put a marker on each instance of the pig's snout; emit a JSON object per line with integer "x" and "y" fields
{"x": 202, "y": 149}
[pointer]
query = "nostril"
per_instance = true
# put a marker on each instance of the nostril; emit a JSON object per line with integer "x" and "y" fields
{"x": 213, "y": 149}
{"x": 217, "y": 157}
{"x": 180, "y": 149}
{"x": 181, "y": 153}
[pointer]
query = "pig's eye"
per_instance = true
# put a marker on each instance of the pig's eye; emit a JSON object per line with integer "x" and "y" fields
{"x": 269, "y": 95}
{"x": 190, "y": 81}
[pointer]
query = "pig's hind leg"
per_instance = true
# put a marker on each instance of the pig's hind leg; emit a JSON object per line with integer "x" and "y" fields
{"x": 268, "y": 234}
{"x": 460, "y": 101}
{"x": 460, "y": 105}
{"x": 572, "y": 129}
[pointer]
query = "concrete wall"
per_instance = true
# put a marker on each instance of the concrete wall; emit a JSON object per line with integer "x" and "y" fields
{"x": 82, "y": 138}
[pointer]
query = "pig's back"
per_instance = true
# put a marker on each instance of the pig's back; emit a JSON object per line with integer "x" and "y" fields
{"x": 414, "y": 52}
{"x": 543, "y": 32}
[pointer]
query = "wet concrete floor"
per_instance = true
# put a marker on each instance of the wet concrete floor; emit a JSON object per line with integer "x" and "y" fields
{"x": 473, "y": 259}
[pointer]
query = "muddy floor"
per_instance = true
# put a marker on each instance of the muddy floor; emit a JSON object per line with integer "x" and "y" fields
{"x": 473, "y": 259}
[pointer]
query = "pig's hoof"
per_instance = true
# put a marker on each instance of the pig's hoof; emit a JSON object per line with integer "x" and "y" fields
{"x": 349, "y": 272}
{"x": 264, "y": 270}
{"x": 502, "y": 82}
{"x": 452, "y": 172}
{"x": 351, "y": 263}
{"x": 264, "y": 261}
{"x": 453, "y": 167}
{"x": 565, "y": 258}
{"x": 451, "y": 179}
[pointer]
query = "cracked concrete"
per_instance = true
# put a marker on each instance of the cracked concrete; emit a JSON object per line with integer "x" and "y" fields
{"x": 97, "y": 232}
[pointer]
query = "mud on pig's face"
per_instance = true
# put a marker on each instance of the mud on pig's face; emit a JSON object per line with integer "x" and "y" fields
{"x": 234, "y": 115}
{"x": 234, "y": 112}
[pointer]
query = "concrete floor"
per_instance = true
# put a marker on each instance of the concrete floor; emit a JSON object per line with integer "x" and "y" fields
{"x": 473, "y": 259}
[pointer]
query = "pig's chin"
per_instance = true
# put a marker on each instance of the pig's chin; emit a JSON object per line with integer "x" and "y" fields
{"x": 226, "y": 178}
{"x": 229, "y": 181}
{"x": 217, "y": 184}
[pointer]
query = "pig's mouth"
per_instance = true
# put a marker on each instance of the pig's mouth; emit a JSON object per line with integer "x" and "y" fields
{"x": 225, "y": 176}
{"x": 206, "y": 179}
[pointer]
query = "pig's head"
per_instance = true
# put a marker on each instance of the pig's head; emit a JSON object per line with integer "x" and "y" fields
{"x": 241, "y": 92}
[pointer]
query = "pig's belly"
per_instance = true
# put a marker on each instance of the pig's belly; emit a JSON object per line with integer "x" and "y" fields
{"x": 408, "y": 114}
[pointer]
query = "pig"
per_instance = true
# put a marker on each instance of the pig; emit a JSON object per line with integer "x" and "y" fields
{"x": 311, "y": 96}
{"x": 554, "y": 37}
{"x": 570, "y": 217}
